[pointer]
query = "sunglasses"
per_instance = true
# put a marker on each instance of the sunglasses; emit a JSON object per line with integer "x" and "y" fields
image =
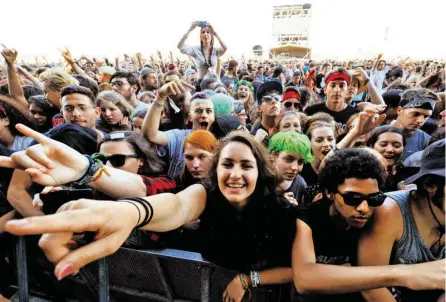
{"x": 118, "y": 160}
{"x": 275, "y": 97}
{"x": 355, "y": 199}
{"x": 289, "y": 104}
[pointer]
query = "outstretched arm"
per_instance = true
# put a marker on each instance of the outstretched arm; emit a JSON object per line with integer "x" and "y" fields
{"x": 180, "y": 45}
{"x": 14, "y": 85}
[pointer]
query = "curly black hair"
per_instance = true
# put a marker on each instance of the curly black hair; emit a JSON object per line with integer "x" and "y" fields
{"x": 349, "y": 163}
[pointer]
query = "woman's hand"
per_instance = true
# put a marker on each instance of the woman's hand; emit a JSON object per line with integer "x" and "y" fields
{"x": 50, "y": 163}
{"x": 290, "y": 197}
{"x": 193, "y": 25}
{"x": 125, "y": 123}
{"x": 112, "y": 222}
{"x": 234, "y": 291}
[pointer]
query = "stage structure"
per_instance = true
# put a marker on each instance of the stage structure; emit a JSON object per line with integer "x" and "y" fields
{"x": 291, "y": 31}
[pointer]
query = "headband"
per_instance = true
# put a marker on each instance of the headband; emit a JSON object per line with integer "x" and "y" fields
{"x": 290, "y": 94}
{"x": 244, "y": 83}
{"x": 338, "y": 76}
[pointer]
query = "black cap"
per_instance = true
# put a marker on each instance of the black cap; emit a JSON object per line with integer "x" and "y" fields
{"x": 432, "y": 162}
{"x": 268, "y": 86}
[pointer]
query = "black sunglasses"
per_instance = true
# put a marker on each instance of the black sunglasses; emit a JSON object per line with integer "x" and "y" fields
{"x": 289, "y": 104}
{"x": 354, "y": 199}
{"x": 118, "y": 160}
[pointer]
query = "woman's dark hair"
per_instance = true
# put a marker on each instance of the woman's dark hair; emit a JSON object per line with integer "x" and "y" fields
{"x": 384, "y": 129}
{"x": 305, "y": 96}
{"x": 349, "y": 163}
{"x": 30, "y": 91}
{"x": 87, "y": 83}
{"x": 82, "y": 139}
{"x": 242, "y": 74}
{"x": 437, "y": 135}
{"x": 48, "y": 110}
{"x": 15, "y": 117}
{"x": 152, "y": 163}
{"x": 266, "y": 181}
{"x": 176, "y": 120}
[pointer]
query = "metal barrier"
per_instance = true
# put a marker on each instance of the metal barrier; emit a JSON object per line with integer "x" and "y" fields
{"x": 146, "y": 275}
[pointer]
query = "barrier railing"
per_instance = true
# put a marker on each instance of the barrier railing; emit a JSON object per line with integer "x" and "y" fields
{"x": 154, "y": 275}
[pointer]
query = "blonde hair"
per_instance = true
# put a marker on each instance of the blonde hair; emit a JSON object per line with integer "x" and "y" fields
{"x": 117, "y": 99}
{"x": 57, "y": 79}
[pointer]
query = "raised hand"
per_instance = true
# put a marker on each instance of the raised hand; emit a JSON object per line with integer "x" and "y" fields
{"x": 112, "y": 222}
{"x": 176, "y": 87}
{"x": 125, "y": 123}
{"x": 66, "y": 54}
{"x": 49, "y": 163}
{"x": 10, "y": 55}
{"x": 193, "y": 25}
{"x": 367, "y": 121}
{"x": 361, "y": 74}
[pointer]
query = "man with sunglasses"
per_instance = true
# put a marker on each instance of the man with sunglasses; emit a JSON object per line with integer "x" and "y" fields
{"x": 290, "y": 100}
{"x": 409, "y": 227}
{"x": 328, "y": 231}
{"x": 269, "y": 95}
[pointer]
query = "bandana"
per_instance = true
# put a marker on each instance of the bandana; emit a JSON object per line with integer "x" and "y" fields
{"x": 290, "y": 94}
{"x": 338, "y": 76}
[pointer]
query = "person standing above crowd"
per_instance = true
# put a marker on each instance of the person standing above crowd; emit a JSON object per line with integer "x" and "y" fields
{"x": 207, "y": 53}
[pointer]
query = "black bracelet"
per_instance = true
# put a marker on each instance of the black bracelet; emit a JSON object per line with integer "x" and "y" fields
{"x": 139, "y": 211}
{"x": 147, "y": 206}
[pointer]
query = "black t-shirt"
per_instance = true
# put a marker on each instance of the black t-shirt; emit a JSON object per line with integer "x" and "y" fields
{"x": 258, "y": 238}
{"x": 320, "y": 76}
{"x": 254, "y": 131}
{"x": 312, "y": 180}
{"x": 332, "y": 244}
{"x": 340, "y": 117}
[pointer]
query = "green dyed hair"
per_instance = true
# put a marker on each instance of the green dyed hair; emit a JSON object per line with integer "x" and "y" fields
{"x": 291, "y": 141}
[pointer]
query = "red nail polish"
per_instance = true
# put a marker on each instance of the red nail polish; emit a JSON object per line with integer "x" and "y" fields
{"x": 65, "y": 270}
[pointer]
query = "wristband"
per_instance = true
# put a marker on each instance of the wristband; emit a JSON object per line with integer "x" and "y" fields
{"x": 96, "y": 163}
{"x": 255, "y": 279}
{"x": 158, "y": 104}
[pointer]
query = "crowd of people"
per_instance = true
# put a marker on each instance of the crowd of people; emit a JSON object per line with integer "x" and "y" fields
{"x": 316, "y": 180}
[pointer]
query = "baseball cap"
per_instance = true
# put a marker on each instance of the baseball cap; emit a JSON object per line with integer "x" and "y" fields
{"x": 268, "y": 86}
{"x": 432, "y": 162}
{"x": 145, "y": 71}
{"x": 107, "y": 70}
